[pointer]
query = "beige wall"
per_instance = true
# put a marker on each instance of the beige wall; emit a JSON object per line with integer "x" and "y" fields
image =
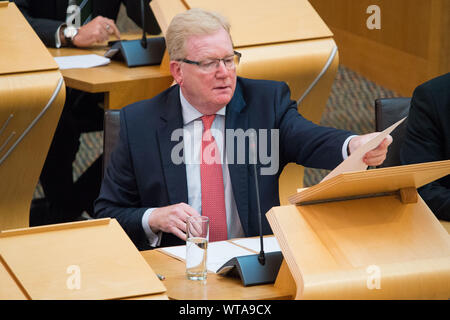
{"x": 412, "y": 46}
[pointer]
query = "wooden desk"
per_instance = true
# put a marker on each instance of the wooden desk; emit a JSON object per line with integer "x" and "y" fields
{"x": 121, "y": 85}
{"x": 216, "y": 287}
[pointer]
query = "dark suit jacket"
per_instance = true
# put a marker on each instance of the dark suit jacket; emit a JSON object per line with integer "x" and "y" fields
{"x": 141, "y": 174}
{"x": 45, "y": 16}
{"x": 428, "y": 138}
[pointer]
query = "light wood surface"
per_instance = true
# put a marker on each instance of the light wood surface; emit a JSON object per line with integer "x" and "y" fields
{"x": 28, "y": 79}
{"x": 21, "y": 49}
{"x": 109, "y": 265}
{"x": 446, "y": 225}
{"x": 411, "y": 47}
{"x": 215, "y": 288}
{"x": 121, "y": 85}
{"x": 374, "y": 181}
{"x": 294, "y": 20}
{"x": 332, "y": 248}
{"x": 10, "y": 288}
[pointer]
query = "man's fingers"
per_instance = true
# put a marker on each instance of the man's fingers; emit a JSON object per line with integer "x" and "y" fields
{"x": 195, "y": 227}
{"x": 173, "y": 219}
{"x": 376, "y": 156}
{"x": 177, "y": 232}
{"x": 111, "y": 28}
{"x": 189, "y": 210}
{"x": 374, "y": 161}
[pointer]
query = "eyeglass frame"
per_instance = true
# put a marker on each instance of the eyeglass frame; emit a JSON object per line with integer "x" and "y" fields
{"x": 198, "y": 63}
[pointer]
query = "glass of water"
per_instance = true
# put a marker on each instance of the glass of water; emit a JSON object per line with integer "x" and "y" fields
{"x": 197, "y": 247}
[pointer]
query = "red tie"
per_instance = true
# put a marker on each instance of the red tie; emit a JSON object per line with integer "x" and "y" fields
{"x": 213, "y": 194}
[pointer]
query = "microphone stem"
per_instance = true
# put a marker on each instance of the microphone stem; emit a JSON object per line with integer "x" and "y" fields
{"x": 261, "y": 257}
{"x": 144, "y": 37}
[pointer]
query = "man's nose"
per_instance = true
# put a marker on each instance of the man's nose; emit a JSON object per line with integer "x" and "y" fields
{"x": 222, "y": 69}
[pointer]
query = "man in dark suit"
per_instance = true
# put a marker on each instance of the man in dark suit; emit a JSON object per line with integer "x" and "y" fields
{"x": 49, "y": 16}
{"x": 65, "y": 200}
{"x": 179, "y": 154}
{"x": 428, "y": 139}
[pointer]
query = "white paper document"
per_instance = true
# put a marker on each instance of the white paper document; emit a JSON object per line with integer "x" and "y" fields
{"x": 270, "y": 244}
{"x": 81, "y": 61}
{"x": 218, "y": 253}
{"x": 355, "y": 161}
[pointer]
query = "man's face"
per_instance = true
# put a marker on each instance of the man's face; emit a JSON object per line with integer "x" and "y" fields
{"x": 207, "y": 91}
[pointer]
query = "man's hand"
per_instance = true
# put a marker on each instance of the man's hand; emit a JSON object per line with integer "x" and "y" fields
{"x": 95, "y": 31}
{"x": 172, "y": 219}
{"x": 376, "y": 156}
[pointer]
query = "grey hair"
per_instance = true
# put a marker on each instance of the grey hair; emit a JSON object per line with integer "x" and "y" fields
{"x": 192, "y": 22}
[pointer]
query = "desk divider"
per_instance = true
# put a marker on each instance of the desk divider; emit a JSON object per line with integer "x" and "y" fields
{"x": 364, "y": 248}
{"x": 82, "y": 260}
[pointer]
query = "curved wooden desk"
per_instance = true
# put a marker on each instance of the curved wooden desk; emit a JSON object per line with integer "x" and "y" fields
{"x": 32, "y": 95}
{"x": 216, "y": 287}
{"x": 121, "y": 85}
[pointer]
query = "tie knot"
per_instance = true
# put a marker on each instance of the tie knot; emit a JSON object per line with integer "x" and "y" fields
{"x": 207, "y": 121}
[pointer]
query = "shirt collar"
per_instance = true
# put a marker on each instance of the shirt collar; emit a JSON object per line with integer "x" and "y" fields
{"x": 190, "y": 113}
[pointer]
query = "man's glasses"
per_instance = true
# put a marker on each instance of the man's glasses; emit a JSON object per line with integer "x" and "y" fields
{"x": 211, "y": 65}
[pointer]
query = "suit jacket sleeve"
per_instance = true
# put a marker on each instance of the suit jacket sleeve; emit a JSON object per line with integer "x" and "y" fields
{"x": 119, "y": 197}
{"x": 304, "y": 142}
{"x": 424, "y": 142}
{"x": 44, "y": 28}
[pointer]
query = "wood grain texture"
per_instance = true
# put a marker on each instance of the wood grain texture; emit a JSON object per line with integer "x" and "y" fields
{"x": 215, "y": 288}
{"x": 121, "y": 85}
{"x": 22, "y": 50}
{"x": 24, "y": 96}
{"x": 333, "y": 248}
{"x": 374, "y": 181}
{"x": 11, "y": 288}
{"x": 110, "y": 267}
{"x": 294, "y": 20}
{"x": 330, "y": 249}
{"x": 28, "y": 79}
{"x": 411, "y": 47}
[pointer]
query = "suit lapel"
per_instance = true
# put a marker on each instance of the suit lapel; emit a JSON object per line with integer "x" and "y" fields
{"x": 175, "y": 174}
{"x": 236, "y": 118}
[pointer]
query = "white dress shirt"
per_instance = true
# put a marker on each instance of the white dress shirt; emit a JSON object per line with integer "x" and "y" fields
{"x": 193, "y": 129}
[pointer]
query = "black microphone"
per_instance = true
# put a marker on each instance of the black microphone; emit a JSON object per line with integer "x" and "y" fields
{"x": 252, "y": 142}
{"x": 143, "y": 52}
{"x": 259, "y": 268}
{"x": 144, "y": 36}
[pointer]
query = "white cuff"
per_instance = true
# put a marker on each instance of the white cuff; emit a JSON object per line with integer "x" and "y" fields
{"x": 154, "y": 239}
{"x": 345, "y": 147}
{"x": 57, "y": 38}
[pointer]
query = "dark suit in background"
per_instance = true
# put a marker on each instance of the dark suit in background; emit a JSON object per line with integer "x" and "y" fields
{"x": 141, "y": 174}
{"x": 65, "y": 200}
{"x": 45, "y": 16}
{"x": 428, "y": 138}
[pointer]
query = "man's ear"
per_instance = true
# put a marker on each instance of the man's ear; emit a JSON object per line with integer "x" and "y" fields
{"x": 177, "y": 73}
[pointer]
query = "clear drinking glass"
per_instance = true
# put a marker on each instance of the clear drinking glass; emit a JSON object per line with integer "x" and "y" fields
{"x": 197, "y": 247}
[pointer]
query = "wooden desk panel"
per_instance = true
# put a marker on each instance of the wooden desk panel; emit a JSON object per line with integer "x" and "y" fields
{"x": 121, "y": 85}
{"x": 411, "y": 47}
{"x": 26, "y": 55}
{"x": 216, "y": 287}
